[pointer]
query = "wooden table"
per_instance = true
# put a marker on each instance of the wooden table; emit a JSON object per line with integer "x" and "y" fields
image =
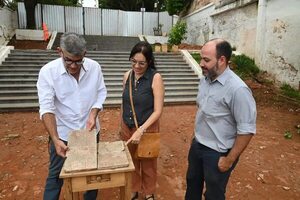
{"x": 75, "y": 182}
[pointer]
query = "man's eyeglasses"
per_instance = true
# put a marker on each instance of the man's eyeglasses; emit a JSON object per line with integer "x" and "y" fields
{"x": 140, "y": 63}
{"x": 70, "y": 62}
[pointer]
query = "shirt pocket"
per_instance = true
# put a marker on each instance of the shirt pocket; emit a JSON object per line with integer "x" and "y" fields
{"x": 214, "y": 107}
{"x": 63, "y": 90}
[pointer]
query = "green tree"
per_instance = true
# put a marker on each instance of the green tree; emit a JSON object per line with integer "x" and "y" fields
{"x": 133, "y": 5}
{"x": 2, "y": 3}
{"x": 30, "y": 8}
{"x": 30, "y": 15}
{"x": 12, "y": 5}
{"x": 175, "y": 7}
{"x": 177, "y": 33}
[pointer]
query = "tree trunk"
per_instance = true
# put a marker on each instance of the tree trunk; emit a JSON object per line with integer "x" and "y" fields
{"x": 30, "y": 13}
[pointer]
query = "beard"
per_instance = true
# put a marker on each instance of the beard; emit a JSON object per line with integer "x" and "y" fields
{"x": 212, "y": 73}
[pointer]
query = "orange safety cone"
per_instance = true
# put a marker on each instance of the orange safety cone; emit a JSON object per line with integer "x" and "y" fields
{"x": 46, "y": 32}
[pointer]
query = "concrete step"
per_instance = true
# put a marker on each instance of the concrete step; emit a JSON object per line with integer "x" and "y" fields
{"x": 105, "y": 63}
{"x": 34, "y": 98}
{"x": 36, "y": 68}
{"x": 37, "y": 53}
{"x": 19, "y": 72}
{"x": 172, "y": 77}
{"x": 30, "y": 86}
{"x": 106, "y": 71}
{"x": 165, "y": 73}
{"x": 10, "y": 107}
{"x": 92, "y": 56}
{"x": 111, "y": 90}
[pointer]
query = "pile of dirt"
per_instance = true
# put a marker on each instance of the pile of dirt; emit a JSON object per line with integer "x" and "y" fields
{"x": 27, "y": 44}
{"x": 189, "y": 46}
{"x": 31, "y": 44}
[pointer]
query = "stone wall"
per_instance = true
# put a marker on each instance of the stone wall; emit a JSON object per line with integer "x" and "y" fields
{"x": 265, "y": 30}
{"x": 278, "y": 35}
{"x": 8, "y": 23}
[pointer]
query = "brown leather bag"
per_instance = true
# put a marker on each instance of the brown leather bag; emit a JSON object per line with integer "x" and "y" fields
{"x": 149, "y": 144}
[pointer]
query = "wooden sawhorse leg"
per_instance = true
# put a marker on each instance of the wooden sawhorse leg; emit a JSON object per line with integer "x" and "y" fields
{"x": 68, "y": 194}
{"x": 126, "y": 190}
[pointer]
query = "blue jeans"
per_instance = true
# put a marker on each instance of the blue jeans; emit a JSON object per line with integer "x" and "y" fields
{"x": 54, "y": 183}
{"x": 203, "y": 167}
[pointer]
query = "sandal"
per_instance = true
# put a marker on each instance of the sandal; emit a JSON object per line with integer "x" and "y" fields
{"x": 150, "y": 197}
{"x": 136, "y": 196}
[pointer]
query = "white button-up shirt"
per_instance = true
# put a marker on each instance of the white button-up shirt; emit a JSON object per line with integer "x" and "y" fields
{"x": 71, "y": 101}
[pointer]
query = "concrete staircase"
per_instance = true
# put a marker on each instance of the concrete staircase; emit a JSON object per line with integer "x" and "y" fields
{"x": 19, "y": 72}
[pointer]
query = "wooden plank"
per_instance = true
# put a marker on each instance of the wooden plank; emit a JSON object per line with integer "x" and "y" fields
{"x": 112, "y": 155}
{"x": 83, "y": 151}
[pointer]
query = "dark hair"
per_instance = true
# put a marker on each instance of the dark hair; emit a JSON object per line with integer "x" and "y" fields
{"x": 146, "y": 49}
{"x": 223, "y": 48}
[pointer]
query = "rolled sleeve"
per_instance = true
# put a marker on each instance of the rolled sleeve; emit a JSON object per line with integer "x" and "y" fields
{"x": 45, "y": 93}
{"x": 101, "y": 92}
{"x": 244, "y": 111}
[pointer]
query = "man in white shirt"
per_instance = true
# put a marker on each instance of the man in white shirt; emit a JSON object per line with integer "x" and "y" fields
{"x": 71, "y": 92}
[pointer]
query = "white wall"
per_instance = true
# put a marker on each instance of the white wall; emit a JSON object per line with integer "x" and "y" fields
{"x": 238, "y": 26}
{"x": 8, "y": 23}
{"x": 199, "y": 25}
{"x": 278, "y": 47}
{"x": 267, "y": 30}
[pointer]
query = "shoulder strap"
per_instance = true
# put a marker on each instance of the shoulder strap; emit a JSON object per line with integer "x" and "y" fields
{"x": 131, "y": 100}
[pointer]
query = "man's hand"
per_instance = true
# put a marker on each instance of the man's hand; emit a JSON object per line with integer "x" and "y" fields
{"x": 224, "y": 164}
{"x": 61, "y": 148}
{"x": 91, "y": 123}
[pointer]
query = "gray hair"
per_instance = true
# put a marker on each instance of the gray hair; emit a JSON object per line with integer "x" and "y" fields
{"x": 73, "y": 44}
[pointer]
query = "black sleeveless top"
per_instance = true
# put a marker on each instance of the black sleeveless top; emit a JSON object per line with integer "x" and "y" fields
{"x": 143, "y": 98}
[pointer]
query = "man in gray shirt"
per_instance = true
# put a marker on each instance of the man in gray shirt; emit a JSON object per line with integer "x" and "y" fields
{"x": 224, "y": 125}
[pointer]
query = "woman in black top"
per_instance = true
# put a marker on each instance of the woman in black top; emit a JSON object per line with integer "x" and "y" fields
{"x": 148, "y": 97}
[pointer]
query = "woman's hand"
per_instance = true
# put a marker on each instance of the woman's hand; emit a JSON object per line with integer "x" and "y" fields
{"x": 135, "y": 138}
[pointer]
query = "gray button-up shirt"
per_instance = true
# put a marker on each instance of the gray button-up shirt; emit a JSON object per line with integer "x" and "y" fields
{"x": 226, "y": 108}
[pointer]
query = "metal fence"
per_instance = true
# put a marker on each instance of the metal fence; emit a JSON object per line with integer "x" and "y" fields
{"x": 96, "y": 21}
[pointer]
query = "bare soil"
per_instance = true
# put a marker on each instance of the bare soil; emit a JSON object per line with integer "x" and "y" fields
{"x": 27, "y": 44}
{"x": 268, "y": 169}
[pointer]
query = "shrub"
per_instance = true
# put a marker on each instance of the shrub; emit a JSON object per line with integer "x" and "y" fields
{"x": 287, "y": 90}
{"x": 244, "y": 66}
{"x": 174, "y": 7}
{"x": 177, "y": 33}
{"x": 196, "y": 57}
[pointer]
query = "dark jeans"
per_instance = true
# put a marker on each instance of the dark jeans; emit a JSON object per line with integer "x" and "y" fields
{"x": 203, "y": 167}
{"x": 54, "y": 183}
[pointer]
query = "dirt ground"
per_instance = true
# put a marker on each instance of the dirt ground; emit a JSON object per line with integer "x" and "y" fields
{"x": 269, "y": 169}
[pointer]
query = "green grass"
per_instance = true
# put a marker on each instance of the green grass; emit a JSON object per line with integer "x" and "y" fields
{"x": 196, "y": 56}
{"x": 287, "y": 90}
